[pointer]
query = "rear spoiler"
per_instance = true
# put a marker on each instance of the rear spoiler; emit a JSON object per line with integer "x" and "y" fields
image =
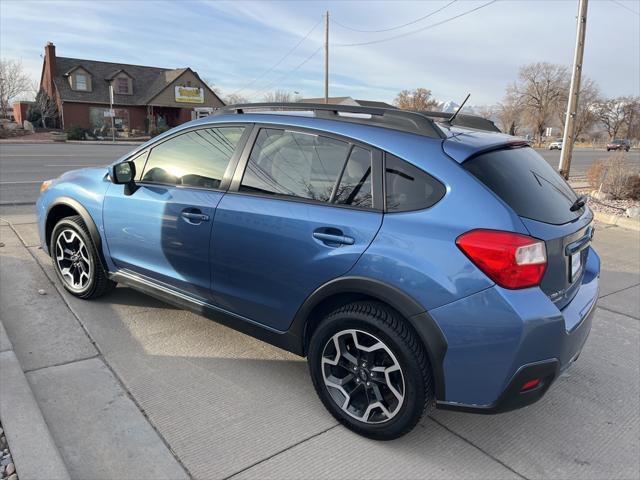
{"x": 463, "y": 120}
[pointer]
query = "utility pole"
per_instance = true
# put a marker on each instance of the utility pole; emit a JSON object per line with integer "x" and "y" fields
{"x": 574, "y": 91}
{"x": 112, "y": 113}
{"x": 326, "y": 58}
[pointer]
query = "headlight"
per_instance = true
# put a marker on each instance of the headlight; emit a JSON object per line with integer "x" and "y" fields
{"x": 46, "y": 184}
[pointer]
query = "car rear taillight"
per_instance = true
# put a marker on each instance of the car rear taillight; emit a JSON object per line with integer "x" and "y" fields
{"x": 509, "y": 259}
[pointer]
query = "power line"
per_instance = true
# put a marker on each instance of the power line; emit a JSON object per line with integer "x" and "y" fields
{"x": 372, "y": 42}
{"x": 277, "y": 80}
{"x": 398, "y": 26}
{"x": 625, "y": 7}
{"x": 275, "y": 65}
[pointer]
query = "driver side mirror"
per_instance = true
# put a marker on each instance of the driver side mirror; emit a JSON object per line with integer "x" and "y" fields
{"x": 124, "y": 174}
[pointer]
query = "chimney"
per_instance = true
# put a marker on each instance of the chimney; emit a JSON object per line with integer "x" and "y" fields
{"x": 49, "y": 68}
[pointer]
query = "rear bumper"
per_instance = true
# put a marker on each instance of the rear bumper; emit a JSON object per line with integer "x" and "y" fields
{"x": 499, "y": 339}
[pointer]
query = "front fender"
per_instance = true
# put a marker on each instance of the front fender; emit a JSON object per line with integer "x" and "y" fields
{"x": 80, "y": 191}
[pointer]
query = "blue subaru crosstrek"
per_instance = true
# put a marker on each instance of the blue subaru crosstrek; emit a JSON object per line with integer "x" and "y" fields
{"x": 416, "y": 261}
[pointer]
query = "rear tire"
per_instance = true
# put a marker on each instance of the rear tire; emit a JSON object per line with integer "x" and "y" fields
{"x": 371, "y": 371}
{"x": 76, "y": 261}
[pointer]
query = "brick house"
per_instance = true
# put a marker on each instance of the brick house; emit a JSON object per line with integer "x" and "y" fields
{"x": 145, "y": 98}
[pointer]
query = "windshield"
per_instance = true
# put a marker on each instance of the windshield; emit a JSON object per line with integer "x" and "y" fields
{"x": 527, "y": 183}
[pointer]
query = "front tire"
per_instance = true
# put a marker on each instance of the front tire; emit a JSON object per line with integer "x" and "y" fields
{"x": 76, "y": 261}
{"x": 371, "y": 371}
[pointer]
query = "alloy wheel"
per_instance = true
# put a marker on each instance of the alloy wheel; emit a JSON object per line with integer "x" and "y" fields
{"x": 363, "y": 376}
{"x": 72, "y": 259}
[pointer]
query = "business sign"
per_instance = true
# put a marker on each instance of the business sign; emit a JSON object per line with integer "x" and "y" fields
{"x": 189, "y": 94}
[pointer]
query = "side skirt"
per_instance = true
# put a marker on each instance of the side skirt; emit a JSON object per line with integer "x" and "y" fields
{"x": 285, "y": 340}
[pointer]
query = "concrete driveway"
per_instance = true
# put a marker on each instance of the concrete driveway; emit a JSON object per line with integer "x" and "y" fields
{"x": 133, "y": 388}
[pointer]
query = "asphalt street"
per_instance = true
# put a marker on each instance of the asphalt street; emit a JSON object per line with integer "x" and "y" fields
{"x": 133, "y": 388}
{"x": 23, "y": 167}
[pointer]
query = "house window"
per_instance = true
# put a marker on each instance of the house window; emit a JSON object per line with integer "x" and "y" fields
{"x": 122, "y": 85}
{"x": 81, "y": 82}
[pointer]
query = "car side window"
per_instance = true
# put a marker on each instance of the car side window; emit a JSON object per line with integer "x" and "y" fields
{"x": 408, "y": 187}
{"x": 294, "y": 164}
{"x": 195, "y": 159}
{"x": 355, "y": 184}
{"x": 139, "y": 162}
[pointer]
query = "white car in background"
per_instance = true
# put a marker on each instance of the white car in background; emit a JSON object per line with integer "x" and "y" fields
{"x": 556, "y": 145}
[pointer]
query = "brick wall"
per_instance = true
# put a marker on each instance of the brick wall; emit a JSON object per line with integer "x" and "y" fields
{"x": 20, "y": 111}
{"x": 78, "y": 114}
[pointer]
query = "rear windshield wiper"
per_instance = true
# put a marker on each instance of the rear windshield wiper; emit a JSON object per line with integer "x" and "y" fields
{"x": 579, "y": 203}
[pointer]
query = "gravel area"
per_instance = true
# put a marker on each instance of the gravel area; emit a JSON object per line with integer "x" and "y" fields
{"x": 7, "y": 468}
{"x": 612, "y": 207}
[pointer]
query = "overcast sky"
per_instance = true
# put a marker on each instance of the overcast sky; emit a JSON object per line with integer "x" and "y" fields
{"x": 232, "y": 43}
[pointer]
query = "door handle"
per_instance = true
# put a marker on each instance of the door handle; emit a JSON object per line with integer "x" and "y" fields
{"x": 331, "y": 238}
{"x": 195, "y": 216}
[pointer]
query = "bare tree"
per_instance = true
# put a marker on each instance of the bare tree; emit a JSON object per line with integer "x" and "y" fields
{"x": 418, "y": 99}
{"x": 632, "y": 117}
{"x": 278, "y": 96}
{"x": 211, "y": 84}
{"x": 612, "y": 115}
{"x": 509, "y": 114}
{"x": 234, "y": 99}
{"x": 46, "y": 106}
{"x": 586, "y": 113}
{"x": 13, "y": 82}
{"x": 540, "y": 89}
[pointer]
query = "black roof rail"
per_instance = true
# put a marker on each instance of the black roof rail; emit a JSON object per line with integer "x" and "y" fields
{"x": 404, "y": 120}
{"x": 464, "y": 120}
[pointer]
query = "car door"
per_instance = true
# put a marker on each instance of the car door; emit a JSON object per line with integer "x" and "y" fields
{"x": 163, "y": 229}
{"x": 301, "y": 210}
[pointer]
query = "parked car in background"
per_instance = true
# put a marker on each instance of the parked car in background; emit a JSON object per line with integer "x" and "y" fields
{"x": 619, "y": 144}
{"x": 556, "y": 145}
{"x": 415, "y": 263}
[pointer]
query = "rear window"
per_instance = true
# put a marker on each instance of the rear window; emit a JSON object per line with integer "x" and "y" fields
{"x": 527, "y": 183}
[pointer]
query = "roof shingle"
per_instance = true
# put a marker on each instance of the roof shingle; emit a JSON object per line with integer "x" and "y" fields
{"x": 147, "y": 81}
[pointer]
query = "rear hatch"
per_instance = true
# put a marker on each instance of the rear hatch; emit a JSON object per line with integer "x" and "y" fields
{"x": 547, "y": 206}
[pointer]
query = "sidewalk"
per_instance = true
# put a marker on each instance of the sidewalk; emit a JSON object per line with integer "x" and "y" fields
{"x": 96, "y": 425}
{"x": 132, "y": 388}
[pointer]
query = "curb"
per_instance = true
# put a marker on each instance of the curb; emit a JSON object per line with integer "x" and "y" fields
{"x": 72, "y": 142}
{"x": 105, "y": 142}
{"x": 32, "y": 447}
{"x": 618, "y": 221}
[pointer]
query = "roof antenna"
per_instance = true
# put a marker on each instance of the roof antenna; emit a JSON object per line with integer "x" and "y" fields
{"x": 452, "y": 117}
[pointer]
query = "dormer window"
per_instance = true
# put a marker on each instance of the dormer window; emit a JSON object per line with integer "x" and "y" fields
{"x": 81, "y": 82}
{"x": 122, "y": 82}
{"x": 79, "y": 79}
{"x": 122, "y": 85}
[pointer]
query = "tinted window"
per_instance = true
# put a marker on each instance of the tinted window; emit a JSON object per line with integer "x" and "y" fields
{"x": 195, "y": 159}
{"x": 294, "y": 164}
{"x": 355, "y": 184}
{"x": 527, "y": 183}
{"x": 408, "y": 187}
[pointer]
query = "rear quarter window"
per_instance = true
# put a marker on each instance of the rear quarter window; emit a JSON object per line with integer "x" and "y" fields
{"x": 409, "y": 188}
{"x": 527, "y": 183}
